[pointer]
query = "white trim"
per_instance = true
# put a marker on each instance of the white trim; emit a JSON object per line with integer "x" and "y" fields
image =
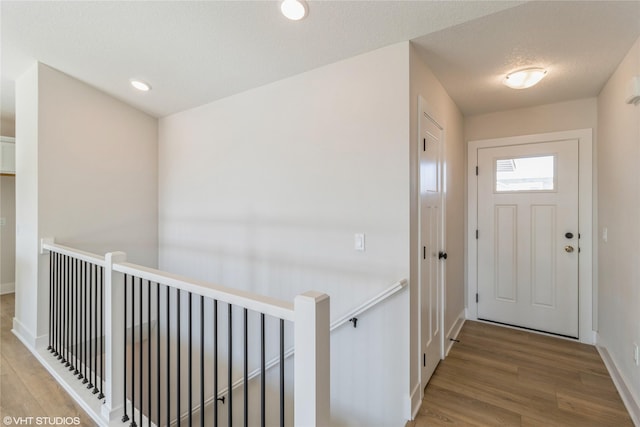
{"x": 631, "y": 402}
{"x": 47, "y": 244}
{"x": 23, "y": 333}
{"x": 27, "y": 338}
{"x": 262, "y": 304}
{"x": 454, "y": 331}
{"x": 585, "y": 260}
{"x": 7, "y": 288}
{"x": 414, "y": 402}
{"x": 78, "y": 392}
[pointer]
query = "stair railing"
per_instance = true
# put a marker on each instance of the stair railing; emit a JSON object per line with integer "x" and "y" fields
{"x": 123, "y": 301}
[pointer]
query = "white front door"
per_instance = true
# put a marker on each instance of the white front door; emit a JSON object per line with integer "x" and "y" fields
{"x": 528, "y": 235}
{"x": 431, "y": 238}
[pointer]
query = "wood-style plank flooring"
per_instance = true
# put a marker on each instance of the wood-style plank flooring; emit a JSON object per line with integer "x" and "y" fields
{"x": 26, "y": 387}
{"x": 497, "y": 376}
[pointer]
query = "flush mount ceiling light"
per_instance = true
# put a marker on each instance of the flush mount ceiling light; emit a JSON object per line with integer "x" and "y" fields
{"x": 523, "y": 79}
{"x": 293, "y": 9}
{"x": 140, "y": 85}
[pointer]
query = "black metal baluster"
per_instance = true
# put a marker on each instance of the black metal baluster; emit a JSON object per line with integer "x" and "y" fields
{"x": 149, "y": 351}
{"x": 215, "y": 363}
{"x": 52, "y": 305}
{"x": 62, "y": 296}
{"x": 72, "y": 292}
{"x": 246, "y": 369}
{"x": 140, "y": 356}
{"x": 189, "y": 367}
{"x": 94, "y": 284}
{"x": 168, "y": 360}
{"x": 230, "y": 362}
{"x": 85, "y": 341}
{"x": 281, "y": 373}
{"x": 59, "y": 333}
{"x": 60, "y": 311}
{"x": 262, "y": 373}
{"x": 77, "y": 311}
{"x": 201, "y": 361}
{"x": 158, "y": 351}
{"x": 81, "y": 322}
{"x": 65, "y": 317}
{"x": 101, "y": 276}
{"x": 178, "y": 351}
{"x": 190, "y": 372}
{"x": 125, "y": 417}
{"x": 133, "y": 347}
{"x": 90, "y": 341}
{"x": 51, "y": 274}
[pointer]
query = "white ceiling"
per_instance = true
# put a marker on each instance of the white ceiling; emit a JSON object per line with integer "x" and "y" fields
{"x": 580, "y": 43}
{"x": 196, "y": 52}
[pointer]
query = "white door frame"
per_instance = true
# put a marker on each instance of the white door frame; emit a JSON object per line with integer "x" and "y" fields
{"x": 585, "y": 220}
{"x": 423, "y": 108}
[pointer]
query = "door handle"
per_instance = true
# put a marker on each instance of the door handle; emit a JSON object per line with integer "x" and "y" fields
{"x": 568, "y": 248}
{"x": 442, "y": 255}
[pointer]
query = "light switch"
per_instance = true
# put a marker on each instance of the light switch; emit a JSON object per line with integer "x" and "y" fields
{"x": 359, "y": 242}
{"x": 605, "y": 235}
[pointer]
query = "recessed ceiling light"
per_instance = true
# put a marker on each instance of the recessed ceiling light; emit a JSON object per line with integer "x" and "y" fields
{"x": 523, "y": 79}
{"x": 293, "y": 9}
{"x": 140, "y": 85}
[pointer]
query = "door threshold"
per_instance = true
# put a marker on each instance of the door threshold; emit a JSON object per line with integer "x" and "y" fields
{"x": 538, "y": 331}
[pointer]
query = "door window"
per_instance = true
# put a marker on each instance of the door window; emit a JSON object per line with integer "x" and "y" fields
{"x": 535, "y": 173}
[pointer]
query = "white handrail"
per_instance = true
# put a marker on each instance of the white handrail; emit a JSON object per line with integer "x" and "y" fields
{"x": 49, "y": 245}
{"x": 259, "y": 303}
{"x": 396, "y": 287}
{"x": 393, "y": 289}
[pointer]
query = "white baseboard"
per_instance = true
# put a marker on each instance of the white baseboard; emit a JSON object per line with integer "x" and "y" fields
{"x": 24, "y": 334}
{"x": 414, "y": 401}
{"x": 630, "y": 401}
{"x": 453, "y": 332}
{"x": 7, "y": 288}
{"x": 28, "y": 339}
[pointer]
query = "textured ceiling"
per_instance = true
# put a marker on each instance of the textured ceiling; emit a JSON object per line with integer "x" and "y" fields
{"x": 196, "y": 52}
{"x": 193, "y": 53}
{"x": 580, "y": 43}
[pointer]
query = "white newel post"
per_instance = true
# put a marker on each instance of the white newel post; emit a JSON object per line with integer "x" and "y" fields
{"x": 114, "y": 336}
{"x": 311, "y": 364}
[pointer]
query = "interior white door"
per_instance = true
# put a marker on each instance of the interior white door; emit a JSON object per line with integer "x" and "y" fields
{"x": 528, "y": 236}
{"x": 431, "y": 236}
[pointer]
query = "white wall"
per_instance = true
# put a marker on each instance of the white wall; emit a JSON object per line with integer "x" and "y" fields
{"x": 425, "y": 84}
{"x": 264, "y": 191}
{"x": 619, "y": 210}
{"x": 87, "y": 175}
{"x": 569, "y": 115}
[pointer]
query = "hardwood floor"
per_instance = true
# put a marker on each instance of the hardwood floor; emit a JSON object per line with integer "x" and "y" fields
{"x": 26, "y": 388}
{"x": 497, "y": 376}
{"x": 494, "y": 376}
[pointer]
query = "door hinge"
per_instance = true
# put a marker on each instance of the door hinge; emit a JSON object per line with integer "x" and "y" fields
{"x": 476, "y": 297}
{"x": 424, "y": 144}
{"x": 424, "y": 359}
{"x": 476, "y": 171}
{"x": 424, "y": 252}
{"x": 476, "y": 234}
